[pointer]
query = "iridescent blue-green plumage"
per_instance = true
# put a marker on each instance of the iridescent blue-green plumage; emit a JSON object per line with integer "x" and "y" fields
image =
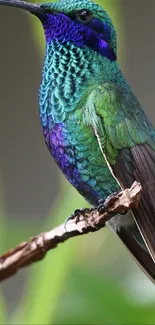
{"x": 92, "y": 122}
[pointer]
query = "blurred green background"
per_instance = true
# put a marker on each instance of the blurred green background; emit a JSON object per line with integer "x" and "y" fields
{"x": 88, "y": 280}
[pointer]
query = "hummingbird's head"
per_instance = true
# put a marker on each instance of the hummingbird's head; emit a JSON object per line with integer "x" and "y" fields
{"x": 82, "y": 23}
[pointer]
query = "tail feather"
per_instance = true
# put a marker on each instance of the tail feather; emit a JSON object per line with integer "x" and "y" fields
{"x": 141, "y": 256}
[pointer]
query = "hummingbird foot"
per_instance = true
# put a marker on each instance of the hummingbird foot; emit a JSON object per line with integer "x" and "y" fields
{"x": 78, "y": 215}
{"x": 104, "y": 205}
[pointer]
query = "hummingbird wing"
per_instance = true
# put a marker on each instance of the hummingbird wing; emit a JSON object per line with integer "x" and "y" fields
{"x": 127, "y": 141}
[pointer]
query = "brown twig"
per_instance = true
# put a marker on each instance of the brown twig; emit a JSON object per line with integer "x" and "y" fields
{"x": 89, "y": 221}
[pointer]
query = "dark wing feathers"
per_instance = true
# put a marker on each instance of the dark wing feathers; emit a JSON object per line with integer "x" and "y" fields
{"x": 144, "y": 162}
{"x": 141, "y": 167}
{"x": 138, "y": 163}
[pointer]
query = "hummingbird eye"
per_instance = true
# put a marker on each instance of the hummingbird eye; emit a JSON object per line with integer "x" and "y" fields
{"x": 83, "y": 15}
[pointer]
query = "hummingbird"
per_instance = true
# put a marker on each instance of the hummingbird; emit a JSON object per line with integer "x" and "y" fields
{"x": 92, "y": 122}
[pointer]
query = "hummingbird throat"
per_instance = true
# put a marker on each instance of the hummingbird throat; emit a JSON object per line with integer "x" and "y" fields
{"x": 66, "y": 72}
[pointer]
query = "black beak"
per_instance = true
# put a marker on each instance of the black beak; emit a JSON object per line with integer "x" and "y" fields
{"x": 31, "y": 7}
